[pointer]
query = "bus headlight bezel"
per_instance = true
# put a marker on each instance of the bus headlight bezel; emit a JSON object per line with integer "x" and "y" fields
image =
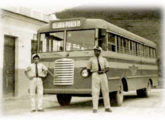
{"x": 84, "y": 73}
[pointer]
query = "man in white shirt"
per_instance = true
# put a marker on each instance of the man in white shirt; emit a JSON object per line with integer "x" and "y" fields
{"x": 98, "y": 65}
{"x": 35, "y": 72}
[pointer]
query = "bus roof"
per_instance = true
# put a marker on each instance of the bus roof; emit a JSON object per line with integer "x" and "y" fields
{"x": 100, "y": 23}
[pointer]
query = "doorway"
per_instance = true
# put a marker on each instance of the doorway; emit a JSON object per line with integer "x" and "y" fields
{"x": 9, "y": 66}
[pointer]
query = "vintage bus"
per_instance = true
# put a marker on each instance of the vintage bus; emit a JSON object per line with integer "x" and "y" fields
{"x": 65, "y": 46}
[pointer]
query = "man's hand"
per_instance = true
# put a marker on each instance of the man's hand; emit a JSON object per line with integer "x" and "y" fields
{"x": 89, "y": 71}
{"x": 101, "y": 72}
{"x": 30, "y": 78}
{"x": 106, "y": 69}
{"x": 55, "y": 76}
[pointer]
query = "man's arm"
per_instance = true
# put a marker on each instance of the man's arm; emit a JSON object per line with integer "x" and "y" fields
{"x": 106, "y": 66}
{"x": 46, "y": 70}
{"x": 51, "y": 73}
{"x": 89, "y": 65}
{"x": 26, "y": 73}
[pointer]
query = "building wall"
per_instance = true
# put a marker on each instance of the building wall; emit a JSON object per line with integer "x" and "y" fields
{"x": 22, "y": 27}
{"x": 1, "y": 55}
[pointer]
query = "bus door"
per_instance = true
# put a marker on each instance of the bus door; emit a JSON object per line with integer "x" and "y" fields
{"x": 102, "y": 39}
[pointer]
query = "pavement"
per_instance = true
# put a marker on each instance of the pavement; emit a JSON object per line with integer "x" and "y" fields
{"x": 152, "y": 108}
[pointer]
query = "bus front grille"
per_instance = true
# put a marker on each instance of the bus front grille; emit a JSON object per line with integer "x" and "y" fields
{"x": 64, "y": 72}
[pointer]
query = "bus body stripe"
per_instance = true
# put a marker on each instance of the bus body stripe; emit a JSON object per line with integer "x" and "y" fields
{"x": 117, "y": 65}
{"x": 131, "y": 77}
{"x": 111, "y": 56}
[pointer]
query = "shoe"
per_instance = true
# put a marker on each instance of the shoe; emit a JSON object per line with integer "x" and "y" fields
{"x": 108, "y": 110}
{"x": 94, "y": 111}
{"x": 40, "y": 110}
{"x": 33, "y": 110}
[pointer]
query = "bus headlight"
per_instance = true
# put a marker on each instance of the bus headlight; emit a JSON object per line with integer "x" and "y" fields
{"x": 84, "y": 73}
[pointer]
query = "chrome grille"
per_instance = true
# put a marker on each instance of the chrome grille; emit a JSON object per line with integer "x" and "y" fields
{"x": 64, "y": 72}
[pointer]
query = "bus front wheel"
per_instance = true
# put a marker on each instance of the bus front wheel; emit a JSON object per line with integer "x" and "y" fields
{"x": 117, "y": 97}
{"x": 64, "y": 99}
{"x": 145, "y": 92}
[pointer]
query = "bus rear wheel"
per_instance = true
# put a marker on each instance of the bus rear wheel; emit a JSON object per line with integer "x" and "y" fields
{"x": 145, "y": 92}
{"x": 64, "y": 99}
{"x": 117, "y": 97}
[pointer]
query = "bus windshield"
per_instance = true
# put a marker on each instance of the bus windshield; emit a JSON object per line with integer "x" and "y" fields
{"x": 75, "y": 41}
{"x": 80, "y": 40}
{"x": 50, "y": 42}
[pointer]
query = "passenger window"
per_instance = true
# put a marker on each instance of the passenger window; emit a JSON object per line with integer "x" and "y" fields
{"x": 146, "y": 51}
{"x": 111, "y": 42}
{"x": 134, "y": 48}
{"x": 120, "y": 44}
{"x": 153, "y": 53}
{"x": 131, "y": 47}
{"x": 126, "y": 45}
{"x": 123, "y": 45}
{"x": 138, "y": 49}
{"x": 150, "y": 52}
{"x": 141, "y": 50}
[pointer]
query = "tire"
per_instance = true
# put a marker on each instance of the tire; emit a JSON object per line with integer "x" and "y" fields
{"x": 64, "y": 99}
{"x": 146, "y": 92}
{"x": 117, "y": 97}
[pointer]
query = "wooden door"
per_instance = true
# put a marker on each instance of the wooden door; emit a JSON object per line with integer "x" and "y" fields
{"x": 9, "y": 67}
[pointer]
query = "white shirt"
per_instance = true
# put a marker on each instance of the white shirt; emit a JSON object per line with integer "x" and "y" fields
{"x": 31, "y": 70}
{"x": 93, "y": 64}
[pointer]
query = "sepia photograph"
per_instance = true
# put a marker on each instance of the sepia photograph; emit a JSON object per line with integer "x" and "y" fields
{"x": 81, "y": 60}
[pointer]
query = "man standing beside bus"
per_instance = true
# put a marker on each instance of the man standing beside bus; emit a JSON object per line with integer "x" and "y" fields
{"x": 98, "y": 65}
{"x": 35, "y": 72}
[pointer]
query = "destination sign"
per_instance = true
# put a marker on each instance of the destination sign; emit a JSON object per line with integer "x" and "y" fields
{"x": 66, "y": 24}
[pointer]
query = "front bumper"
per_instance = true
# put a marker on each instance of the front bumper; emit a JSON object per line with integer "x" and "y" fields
{"x": 67, "y": 91}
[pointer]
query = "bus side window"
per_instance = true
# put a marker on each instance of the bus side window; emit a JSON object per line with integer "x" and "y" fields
{"x": 153, "y": 53}
{"x": 141, "y": 50}
{"x": 138, "y": 49}
{"x": 117, "y": 38}
{"x": 120, "y": 44}
{"x": 146, "y": 51}
{"x": 131, "y": 49}
{"x": 111, "y": 42}
{"x": 126, "y": 45}
{"x": 150, "y": 54}
{"x": 123, "y": 45}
